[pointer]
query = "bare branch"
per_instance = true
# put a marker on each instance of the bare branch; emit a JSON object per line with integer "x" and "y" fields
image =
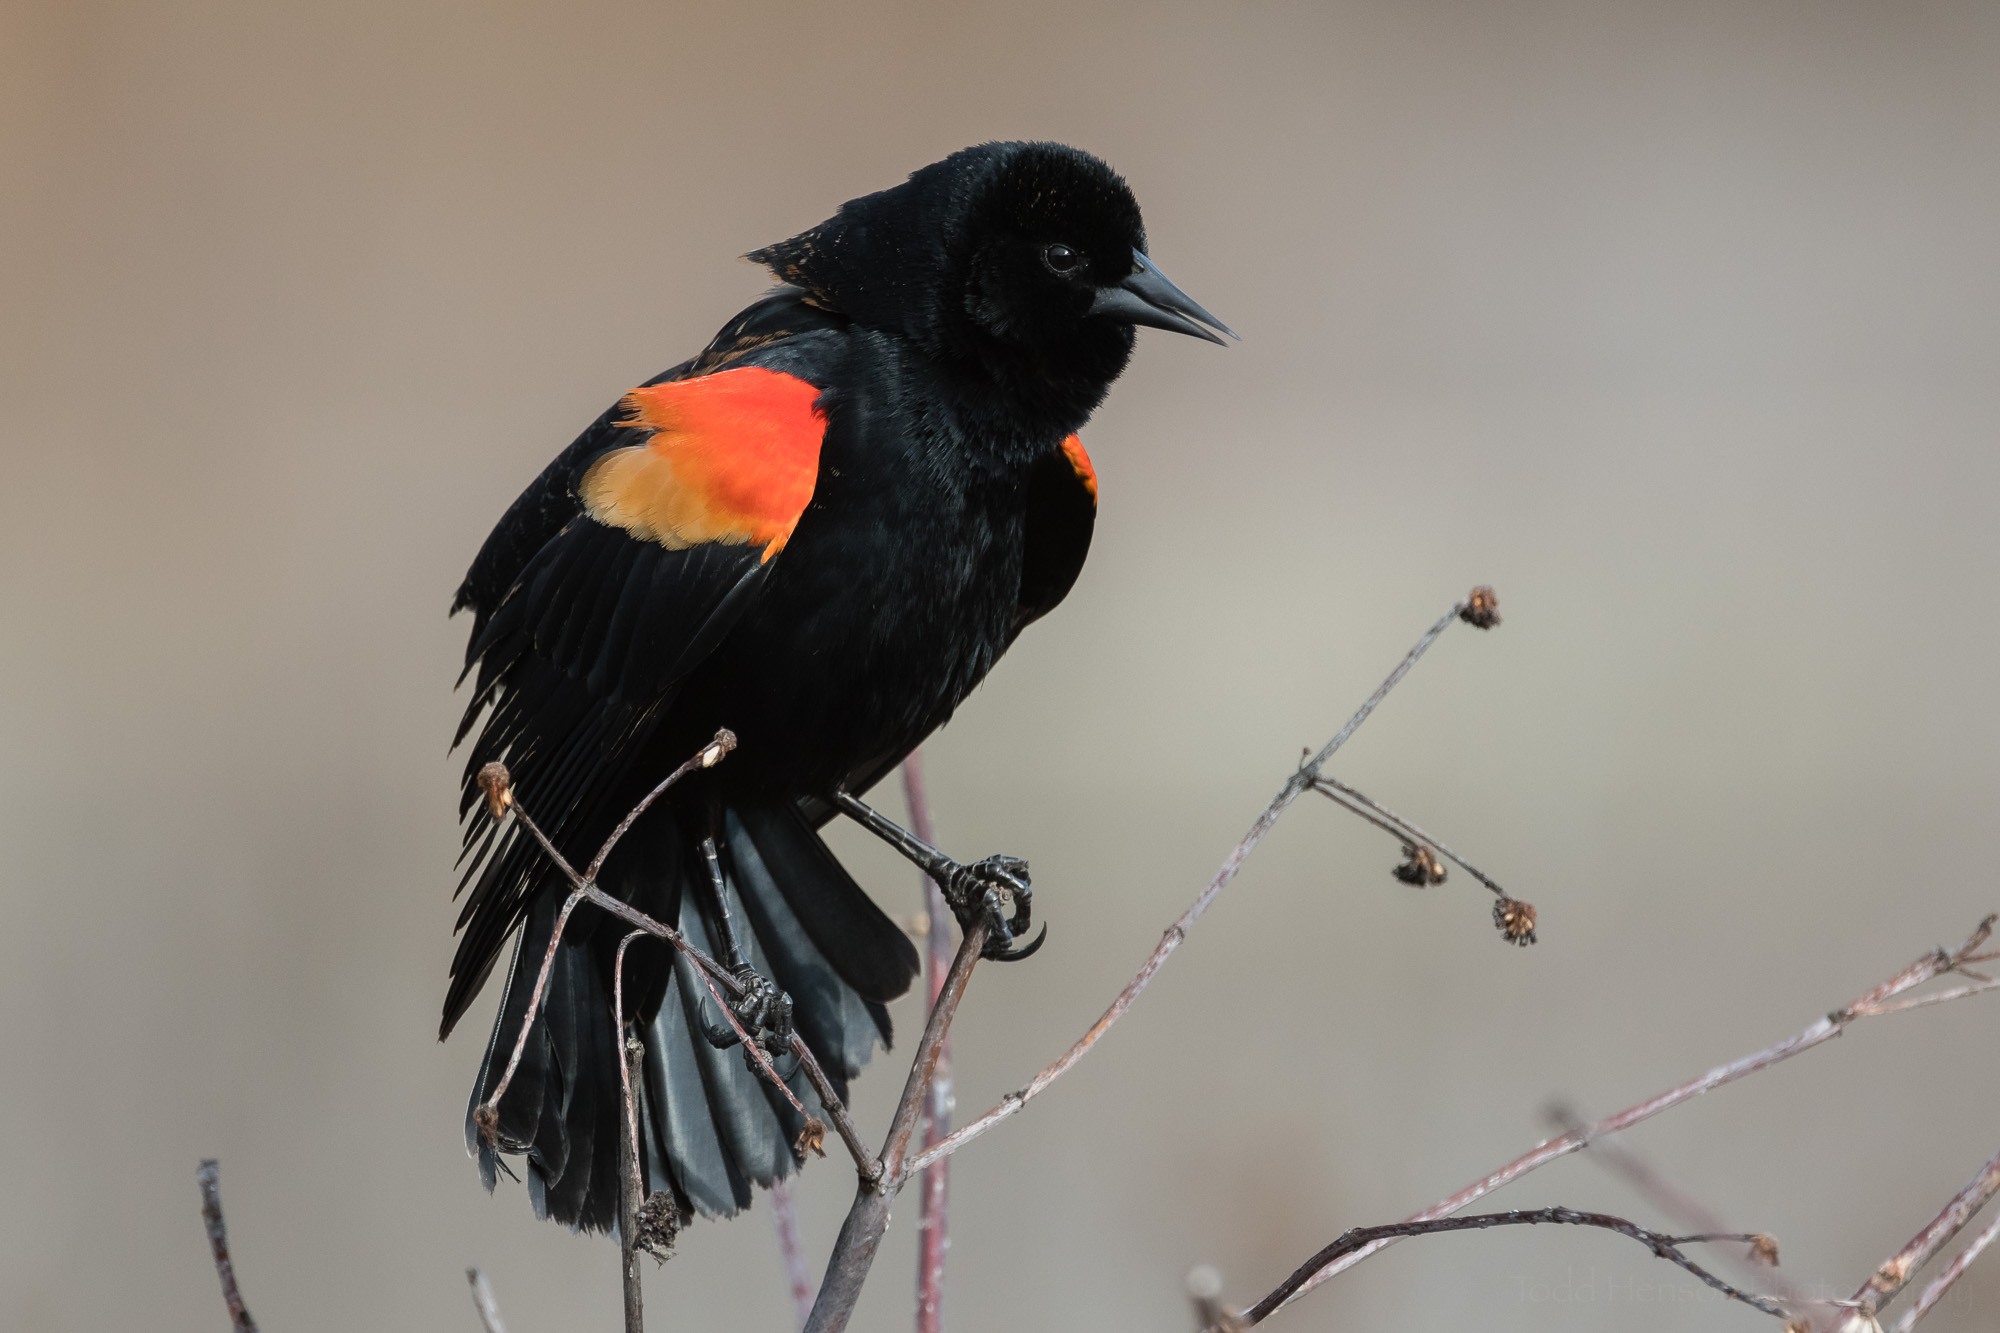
{"x": 1389, "y": 821}
{"x": 1896, "y": 1272}
{"x": 755, "y": 1054}
{"x": 785, "y": 1221}
{"x": 950, "y": 993}
{"x": 1666, "y": 1247}
{"x": 1950, "y": 1274}
{"x": 1927, "y": 968}
{"x": 708, "y": 757}
{"x": 868, "y": 1217}
{"x": 496, "y": 783}
{"x": 631, "y": 1166}
{"x": 487, "y": 1116}
{"x": 933, "y": 1190}
{"x": 865, "y": 1162}
{"x": 1759, "y": 1253}
{"x": 483, "y": 1302}
{"x": 1297, "y": 785}
{"x": 209, "y": 1176}
{"x": 1924, "y": 1001}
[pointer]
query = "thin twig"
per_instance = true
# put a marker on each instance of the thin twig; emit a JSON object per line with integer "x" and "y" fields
{"x": 868, "y": 1217}
{"x": 209, "y": 1176}
{"x": 713, "y": 975}
{"x": 631, "y": 1166}
{"x": 785, "y": 1220}
{"x": 896, "y": 1170}
{"x": 707, "y": 757}
{"x": 625, "y": 1080}
{"x": 1923, "y": 1001}
{"x": 1927, "y": 968}
{"x": 1388, "y": 820}
{"x": 933, "y": 1190}
{"x": 865, "y": 1162}
{"x": 495, "y": 782}
{"x": 755, "y": 1052}
{"x": 1299, "y": 783}
{"x": 1758, "y": 1255}
{"x": 1666, "y": 1247}
{"x": 1948, "y": 1275}
{"x": 534, "y": 998}
{"x": 483, "y": 1302}
{"x": 1896, "y": 1272}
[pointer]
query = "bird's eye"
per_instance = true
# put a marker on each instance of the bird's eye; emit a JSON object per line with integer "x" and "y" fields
{"x": 1061, "y": 259}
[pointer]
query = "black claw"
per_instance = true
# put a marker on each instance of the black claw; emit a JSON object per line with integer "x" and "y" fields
{"x": 720, "y": 1038}
{"x": 974, "y": 894}
{"x": 1004, "y": 956}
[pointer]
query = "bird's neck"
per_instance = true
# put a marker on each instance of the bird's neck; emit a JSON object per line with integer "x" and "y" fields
{"x": 1018, "y": 407}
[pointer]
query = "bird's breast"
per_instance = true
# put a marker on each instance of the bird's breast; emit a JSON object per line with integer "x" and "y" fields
{"x": 893, "y": 599}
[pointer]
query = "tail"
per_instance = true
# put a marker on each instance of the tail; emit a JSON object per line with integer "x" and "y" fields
{"x": 711, "y": 1128}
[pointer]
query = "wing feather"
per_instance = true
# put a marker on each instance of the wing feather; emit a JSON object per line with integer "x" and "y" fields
{"x": 579, "y": 650}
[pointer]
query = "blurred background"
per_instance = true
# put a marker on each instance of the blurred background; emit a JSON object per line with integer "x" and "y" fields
{"x": 1674, "y": 323}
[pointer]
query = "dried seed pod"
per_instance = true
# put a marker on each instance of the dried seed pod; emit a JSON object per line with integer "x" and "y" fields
{"x": 1420, "y": 867}
{"x": 811, "y": 1139}
{"x": 659, "y": 1223}
{"x": 486, "y": 1117}
{"x": 1482, "y": 608}
{"x": 1516, "y": 921}
{"x": 498, "y": 785}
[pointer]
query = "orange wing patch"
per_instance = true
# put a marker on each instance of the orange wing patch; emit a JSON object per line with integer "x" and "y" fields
{"x": 733, "y": 458}
{"x": 1072, "y": 449}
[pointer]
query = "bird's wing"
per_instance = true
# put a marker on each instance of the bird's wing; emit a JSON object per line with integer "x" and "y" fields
{"x": 662, "y": 526}
{"x": 781, "y": 330}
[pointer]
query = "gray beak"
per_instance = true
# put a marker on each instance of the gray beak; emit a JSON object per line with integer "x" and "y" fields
{"x": 1149, "y": 298}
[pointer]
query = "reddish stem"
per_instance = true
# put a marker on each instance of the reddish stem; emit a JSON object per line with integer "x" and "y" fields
{"x": 933, "y": 1230}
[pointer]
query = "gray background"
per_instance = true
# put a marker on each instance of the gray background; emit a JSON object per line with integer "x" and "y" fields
{"x": 1675, "y": 323}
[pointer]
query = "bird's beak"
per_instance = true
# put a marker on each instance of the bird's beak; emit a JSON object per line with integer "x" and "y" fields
{"x": 1149, "y": 298}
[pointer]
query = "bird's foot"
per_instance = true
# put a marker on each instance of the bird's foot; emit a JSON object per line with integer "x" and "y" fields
{"x": 974, "y": 893}
{"x": 763, "y": 1011}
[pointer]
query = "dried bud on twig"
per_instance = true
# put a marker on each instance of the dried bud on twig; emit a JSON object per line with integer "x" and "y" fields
{"x": 487, "y": 1117}
{"x": 1420, "y": 867}
{"x": 1979, "y": 936}
{"x": 498, "y": 785}
{"x": 659, "y": 1224}
{"x": 1764, "y": 1249}
{"x": 1482, "y": 608}
{"x": 1891, "y": 1276}
{"x": 1516, "y": 920}
{"x": 724, "y": 742}
{"x": 1204, "y": 1289}
{"x": 810, "y": 1139}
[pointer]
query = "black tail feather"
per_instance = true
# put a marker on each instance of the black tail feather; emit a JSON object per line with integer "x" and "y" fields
{"x": 714, "y": 1128}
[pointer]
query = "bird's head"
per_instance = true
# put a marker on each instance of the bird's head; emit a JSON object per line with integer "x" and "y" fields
{"x": 1016, "y": 257}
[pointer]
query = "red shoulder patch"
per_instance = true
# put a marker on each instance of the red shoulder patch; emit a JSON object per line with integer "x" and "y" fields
{"x": 733, "y": 458}
{"x": 1072, "y": 448}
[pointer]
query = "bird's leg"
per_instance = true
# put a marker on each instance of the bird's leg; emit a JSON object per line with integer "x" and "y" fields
{"x": 973, "y": 891}
{"x": 764, "y": 1011}
{"x": 732, "y": 951}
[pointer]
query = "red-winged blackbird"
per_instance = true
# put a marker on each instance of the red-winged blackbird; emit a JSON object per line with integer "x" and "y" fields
{"x": 820, "y": 533}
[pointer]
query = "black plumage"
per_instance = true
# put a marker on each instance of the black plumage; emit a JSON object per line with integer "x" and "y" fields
{"x": 958, "y": 329}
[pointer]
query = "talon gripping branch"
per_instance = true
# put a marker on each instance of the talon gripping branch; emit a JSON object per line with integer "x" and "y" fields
{"x": 820, "y": 533}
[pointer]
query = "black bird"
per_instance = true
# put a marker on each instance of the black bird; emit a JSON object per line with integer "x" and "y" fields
{"x": 820, "y": 533}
